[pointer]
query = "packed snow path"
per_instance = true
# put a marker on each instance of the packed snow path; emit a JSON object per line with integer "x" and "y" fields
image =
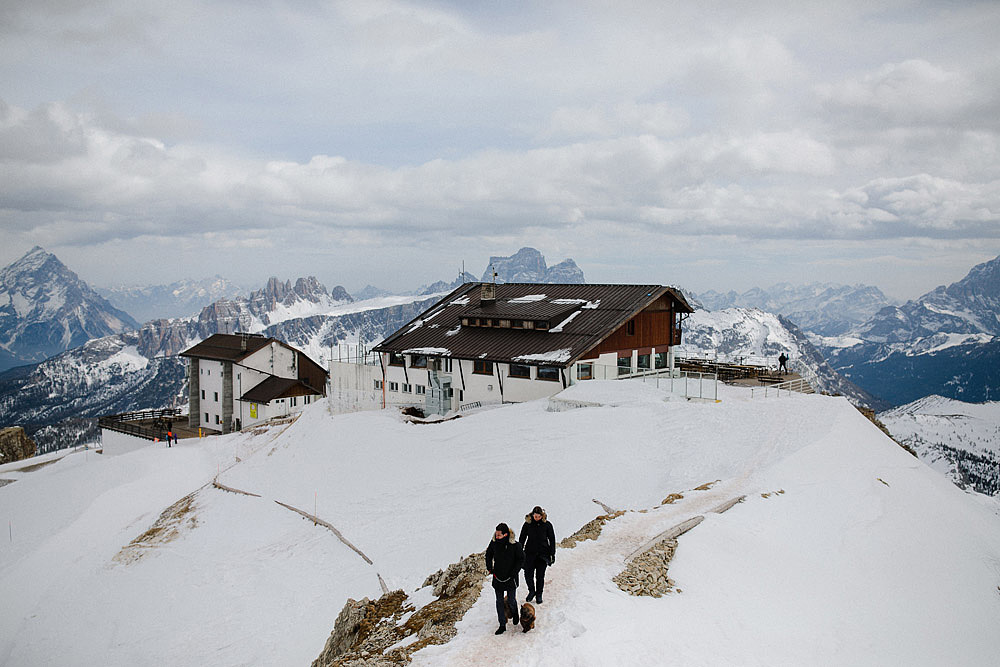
{"x": 840, "y": 569}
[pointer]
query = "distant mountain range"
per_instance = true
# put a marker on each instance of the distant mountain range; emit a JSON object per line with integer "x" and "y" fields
{"x": 178, "y": 299}
{"x": 139, "y": 369}
{"x": 46, "y": 309}
{"x": 821, "y": 308}
{"x": 947, "y": 342}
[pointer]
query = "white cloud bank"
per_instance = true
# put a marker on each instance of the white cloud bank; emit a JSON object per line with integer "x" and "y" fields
{"x": 490, "y": 130}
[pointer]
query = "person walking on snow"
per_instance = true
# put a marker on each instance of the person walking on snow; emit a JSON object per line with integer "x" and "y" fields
{"x": 504, "y": 559}
{"x": 538, "y": 540}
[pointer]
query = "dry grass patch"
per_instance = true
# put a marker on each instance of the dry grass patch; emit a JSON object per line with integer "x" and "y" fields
{"x": 672, "y": 498}
{"x": 165, "y": 529}
{"x": 707, "y": 485}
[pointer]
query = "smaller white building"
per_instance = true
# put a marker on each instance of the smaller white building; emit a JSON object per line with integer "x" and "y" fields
{"x": 238, "y": 380}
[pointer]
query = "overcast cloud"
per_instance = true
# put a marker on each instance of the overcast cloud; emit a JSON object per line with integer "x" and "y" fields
{"x": 386, "y": 142}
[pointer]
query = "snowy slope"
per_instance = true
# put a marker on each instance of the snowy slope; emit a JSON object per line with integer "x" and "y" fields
{"x": 868, "y": 557}
{"x": 959, "y": 439}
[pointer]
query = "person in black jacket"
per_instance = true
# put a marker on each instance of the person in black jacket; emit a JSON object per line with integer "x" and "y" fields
{"x": 504, "y": 559}
{"x": 539, "y": 543}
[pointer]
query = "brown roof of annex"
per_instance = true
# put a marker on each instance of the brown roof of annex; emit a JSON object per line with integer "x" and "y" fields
{"x": 578, "y": 316}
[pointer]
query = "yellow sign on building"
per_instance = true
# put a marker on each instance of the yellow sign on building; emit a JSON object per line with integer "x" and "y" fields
{"x": 253, "y": 411}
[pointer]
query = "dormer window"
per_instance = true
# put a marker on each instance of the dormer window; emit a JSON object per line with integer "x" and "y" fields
{"x": 395, "y": 359}
{"x": 418, "y": 361}
{"x": 542, "y": 325}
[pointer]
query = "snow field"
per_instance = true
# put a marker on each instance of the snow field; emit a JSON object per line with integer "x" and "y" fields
{"x": 841, "y": 568}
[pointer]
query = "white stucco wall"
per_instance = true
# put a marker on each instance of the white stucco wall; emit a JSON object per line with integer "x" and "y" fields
{"x": 210, "y": 385}
{"x": 274, "y": 359}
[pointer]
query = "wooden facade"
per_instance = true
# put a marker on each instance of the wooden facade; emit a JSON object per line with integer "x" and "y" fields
{"x": 655, "y": 326}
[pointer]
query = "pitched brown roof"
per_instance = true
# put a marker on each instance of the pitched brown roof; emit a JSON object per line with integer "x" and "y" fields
{"x": 579, "y": 317}
{"x": 274, "y": 387}
{"x": 228, "y": 347}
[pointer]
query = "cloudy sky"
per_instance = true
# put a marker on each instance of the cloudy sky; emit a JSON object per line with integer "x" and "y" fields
{"x": 385, "y": 142}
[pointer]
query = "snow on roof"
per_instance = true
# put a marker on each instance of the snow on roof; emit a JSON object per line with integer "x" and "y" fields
{"x": 432, "y": 351}
{"x": 555, "y": 356}
{"x": 528, "y": 298}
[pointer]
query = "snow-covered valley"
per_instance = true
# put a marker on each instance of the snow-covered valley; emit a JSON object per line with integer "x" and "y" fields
{"x": 846, "y": 549}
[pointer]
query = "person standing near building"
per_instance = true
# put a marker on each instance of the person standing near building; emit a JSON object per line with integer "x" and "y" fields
{"x": 783, "y": 363}
{"x": 538, "y": 540}
{"x": 504, "y": 559}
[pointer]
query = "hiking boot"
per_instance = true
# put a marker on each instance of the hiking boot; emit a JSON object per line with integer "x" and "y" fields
{"x": 502, "y": 629}
{"x": 538, "y": 598}
{"x": 531, "y": 596}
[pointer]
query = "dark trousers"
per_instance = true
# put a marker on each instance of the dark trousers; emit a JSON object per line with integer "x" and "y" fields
{"x": 534, "y": 573}
{"x": 510, "y": 588}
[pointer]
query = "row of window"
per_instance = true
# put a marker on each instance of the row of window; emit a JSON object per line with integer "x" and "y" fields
{"x": 214, "y": 392}
{"x": 407, "y": 388}
{"x": 218, "y": 420}
{"x": 641, "y": 362}
{"x": 505, "y": 323}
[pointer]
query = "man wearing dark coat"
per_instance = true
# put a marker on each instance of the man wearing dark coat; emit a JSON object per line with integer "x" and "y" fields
{"x": 504, "y": 559}
{"x": 539, "y": 542}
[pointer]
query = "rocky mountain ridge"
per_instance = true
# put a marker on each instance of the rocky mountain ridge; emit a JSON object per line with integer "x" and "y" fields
{"x": 528, "y": 265}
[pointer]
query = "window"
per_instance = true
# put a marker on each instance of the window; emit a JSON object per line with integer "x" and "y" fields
{"x": 208, "y": 371}
{"x": 393, "y": 386}
{"x": 217, "y": 419}
{"x": 306, "y": 400}
{"x": 541, "y": 325}
{"x": 505, "y": 324}
{"x": 216, "y": 396}
{"x": 624, "y": 365}
{"x": 642, "y": 362}
{"x": 585, "y": 371}
{"x": 661, "y": 360}
{"x": 407, "y": 388}
{"x": 395, "y": 359}
{"x": 630, "y": 328}
{"x": 465, "y": 321}
{"x": 516, "y": 324}
{"x": 481, "y": 367}
{"x": 206, "y": 418}
{"x": 447, "y": 365}
{"x": 378, "y": 384}
{"x": 418, "y": 361}
{"x": 291, "y": 401}
{"x": 520, "y": 371}
{"x": 548, "y": 373}
{"x": 203, "y": 394}
{"x": 420, "y": 389}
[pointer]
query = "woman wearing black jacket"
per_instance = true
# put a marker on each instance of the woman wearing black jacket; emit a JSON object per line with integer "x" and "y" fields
{"x": 504, "y": 559}
{"x": 539, "y": 543}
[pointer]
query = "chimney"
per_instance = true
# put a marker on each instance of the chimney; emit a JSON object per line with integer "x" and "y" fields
{"x": 488, "y": 294}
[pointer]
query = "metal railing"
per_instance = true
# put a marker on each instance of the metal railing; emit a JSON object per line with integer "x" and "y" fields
{"x": 126, "y": 422}
{"x": 682, "y": 383}
{"x": 798, "y": 386}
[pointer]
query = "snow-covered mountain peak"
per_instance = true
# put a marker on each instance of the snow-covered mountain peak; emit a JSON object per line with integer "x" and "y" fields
{"x": 45, "y": 309}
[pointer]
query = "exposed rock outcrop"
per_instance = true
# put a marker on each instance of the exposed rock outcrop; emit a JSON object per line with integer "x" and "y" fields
{"x": 365, "y": 630}
{"x": 15, "y": 445}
